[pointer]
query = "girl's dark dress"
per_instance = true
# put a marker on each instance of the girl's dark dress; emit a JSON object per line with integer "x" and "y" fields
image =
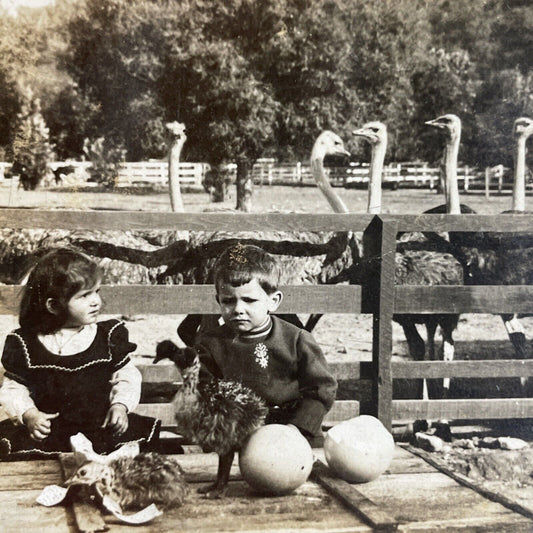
{"x": 75, "y": 386}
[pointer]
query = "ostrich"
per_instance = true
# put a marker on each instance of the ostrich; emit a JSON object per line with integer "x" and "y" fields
{"x": 414, "y": 267}
{"x": 217, "y": 415}
{"x": 500, "y": 259}
{"x": 522, "y": 130}
{"x": 481, "y": 255}
{"x": 133, "y": 482}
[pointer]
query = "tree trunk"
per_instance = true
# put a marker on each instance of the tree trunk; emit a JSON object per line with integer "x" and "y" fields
{"x": 244, "y": 185}
{"x": 217, "y": 186}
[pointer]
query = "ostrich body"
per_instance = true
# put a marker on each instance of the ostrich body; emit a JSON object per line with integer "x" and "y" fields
{"x": 218, "y": 415}
{"x": 133, "y": 482}
{"x": 481, "y": 255}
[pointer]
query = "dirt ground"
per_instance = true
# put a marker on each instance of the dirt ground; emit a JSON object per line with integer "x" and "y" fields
{"x": 346, "y": 337}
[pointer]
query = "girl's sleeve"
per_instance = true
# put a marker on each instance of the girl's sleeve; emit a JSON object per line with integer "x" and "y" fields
{"x": 15, "y": 398}
{"x": 14, "y": 359}
{"x": 318, "y": 387}
{"x": 120, "y": 345}
{"x": 126, "y": 386}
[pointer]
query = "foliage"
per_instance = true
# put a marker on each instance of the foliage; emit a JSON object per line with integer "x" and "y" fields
{"x": 31, "y": 148}
{"x": 254, "y": 78}
{"x": 72, "y": 118}
{"x": 504, "y": 97}
{"x": 105, "y": 157}
{"x": 444, "y": 83}
{"x": 18, "y": 51}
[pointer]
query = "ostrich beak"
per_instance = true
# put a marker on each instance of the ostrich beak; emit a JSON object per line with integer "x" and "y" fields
{"x": 434, "y": 123}
{"x": 362, "y": 132}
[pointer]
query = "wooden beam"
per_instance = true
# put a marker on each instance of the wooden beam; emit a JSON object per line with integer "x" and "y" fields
{"x": 379, "y": 243}
{"x": 495, "y": 368}
{"x": 468, "y": 409}
{"x": 460, "y": 299}
{"x": 184, "y": 299}
{"x": 462, "y": 223}
{"x": 143, "y": 220}
{"x": 372, "y": 513}
{"x": 341, "y": 410}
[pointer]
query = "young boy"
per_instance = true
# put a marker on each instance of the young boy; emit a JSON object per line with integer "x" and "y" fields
{"x": 279, "y": 361}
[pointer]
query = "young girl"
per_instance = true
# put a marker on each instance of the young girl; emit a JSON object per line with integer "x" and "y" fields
{"x": 65, "y": 372}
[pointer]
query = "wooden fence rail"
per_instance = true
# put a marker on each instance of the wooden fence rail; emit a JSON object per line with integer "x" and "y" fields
{"x": 378, "y": 295}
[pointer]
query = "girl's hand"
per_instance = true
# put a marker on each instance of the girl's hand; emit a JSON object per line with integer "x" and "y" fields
{"x": 117, "y": 418}
{"x": 38, "y": 423}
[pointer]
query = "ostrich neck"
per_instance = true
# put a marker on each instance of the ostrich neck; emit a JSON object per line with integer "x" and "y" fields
{"x": 176, "y": 201}
{"x": 519, "y": 186}
{"x": 451, "y": 153}
{"x": 188, "y": 394}
{"x": 375, "y": 178}
{"x": 317, "y": 168}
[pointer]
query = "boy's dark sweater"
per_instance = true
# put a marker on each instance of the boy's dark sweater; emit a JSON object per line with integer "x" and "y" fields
{"x": 285, "y": 366}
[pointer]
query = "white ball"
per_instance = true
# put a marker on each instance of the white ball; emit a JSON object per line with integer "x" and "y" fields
{"x": 359, "y": 450}
{"x": 276, "y": 459}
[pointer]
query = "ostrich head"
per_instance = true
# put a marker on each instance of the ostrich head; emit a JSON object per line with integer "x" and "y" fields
{"x": 374, "y": 132}
{"x": 523, "y": 127}
{"x": 188, "y": 363}
{"x": 89, "y": 473}
{"x": 451, "y": 124}
{"x": 328, "y": 143}
{"x": 176, "y": 131}
{"x": 92, "y": 479}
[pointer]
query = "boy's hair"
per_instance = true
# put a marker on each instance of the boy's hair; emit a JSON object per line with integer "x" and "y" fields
{"x": 240, "y": 264}
{"x": 59, "y": 274}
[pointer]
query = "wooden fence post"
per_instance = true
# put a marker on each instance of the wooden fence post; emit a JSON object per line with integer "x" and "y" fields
{"x": 379, "y": 245}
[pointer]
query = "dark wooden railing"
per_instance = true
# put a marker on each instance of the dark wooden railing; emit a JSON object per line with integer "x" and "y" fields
{"x": 377, "y": 295}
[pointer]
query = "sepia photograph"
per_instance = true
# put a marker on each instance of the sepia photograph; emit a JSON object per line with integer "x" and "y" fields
{"x": 266, "y": 265}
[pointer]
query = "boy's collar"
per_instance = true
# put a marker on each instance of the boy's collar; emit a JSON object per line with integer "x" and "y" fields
{"x": 260, "y": 331}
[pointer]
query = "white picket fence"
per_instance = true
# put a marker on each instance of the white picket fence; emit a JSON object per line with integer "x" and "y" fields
{"x": 131, "y": 174}
{"x": 156, "y": 173}
{"x": 270, "y": 172}
{"x": 410, "y": 174}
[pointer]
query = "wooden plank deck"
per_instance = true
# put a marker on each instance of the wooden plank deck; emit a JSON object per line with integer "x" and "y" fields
{"x": 412, "y": 496}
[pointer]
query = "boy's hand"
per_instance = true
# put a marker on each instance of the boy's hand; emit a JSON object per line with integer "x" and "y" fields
{"x": 117, "y": 418}
{"x": 38, "y": 423}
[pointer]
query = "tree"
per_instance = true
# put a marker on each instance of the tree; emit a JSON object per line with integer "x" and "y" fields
{"x": 31, "y": 148}
{"x": 444, "y": 83}
{"x": 18, "y": 51}
{"x": 157, "y": 57}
